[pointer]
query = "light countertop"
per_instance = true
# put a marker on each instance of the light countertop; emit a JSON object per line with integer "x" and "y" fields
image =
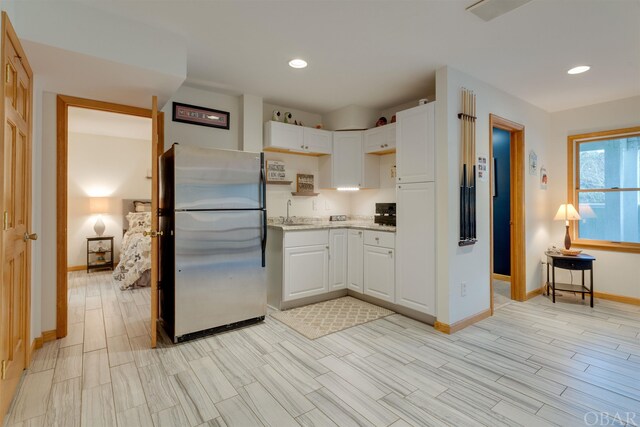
{"x": 319, "y": 225}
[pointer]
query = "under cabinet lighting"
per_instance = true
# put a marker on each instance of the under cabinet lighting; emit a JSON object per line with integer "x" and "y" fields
{"x": 347, "y": 189}
{"x": 579, "y": 69}
{"x": 298, "y": 63}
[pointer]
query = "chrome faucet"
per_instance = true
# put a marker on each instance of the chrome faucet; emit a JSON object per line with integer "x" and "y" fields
{"x": 288, "y": 219}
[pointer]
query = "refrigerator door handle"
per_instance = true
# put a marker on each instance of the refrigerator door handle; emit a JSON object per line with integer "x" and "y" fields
{"x": 264, "y": 237}
{"x": 263, "y": 183}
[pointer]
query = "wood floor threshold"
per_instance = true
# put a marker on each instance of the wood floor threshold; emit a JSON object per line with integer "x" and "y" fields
{"x": 502, "y": 277}
{"x": 460, "y": 325}
{"x": 77, "y": 268}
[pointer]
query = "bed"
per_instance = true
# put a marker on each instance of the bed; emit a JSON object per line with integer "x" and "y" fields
{"x": 133, "y": 270}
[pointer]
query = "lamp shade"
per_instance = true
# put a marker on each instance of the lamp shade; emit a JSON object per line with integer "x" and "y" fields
{"x": 566, "y": 212}
{"x": 586, "y": 211}
{"x": 99, "y": 205}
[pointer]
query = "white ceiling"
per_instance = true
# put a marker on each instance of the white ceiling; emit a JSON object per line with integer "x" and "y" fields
{"x": 382, "y": 53}
{"x": 94, "y": 122}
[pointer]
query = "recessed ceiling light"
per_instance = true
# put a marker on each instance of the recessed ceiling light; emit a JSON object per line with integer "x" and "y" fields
{"x": 298, "y": 63}
{"x": 579, "y": 69}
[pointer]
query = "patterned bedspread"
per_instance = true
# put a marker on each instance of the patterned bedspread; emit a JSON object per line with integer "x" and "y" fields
{"x": 135, "y": 252}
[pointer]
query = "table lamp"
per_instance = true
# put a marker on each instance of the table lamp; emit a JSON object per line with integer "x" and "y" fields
{"x": 567, "y": 213}
{"x": 100, "y": 206}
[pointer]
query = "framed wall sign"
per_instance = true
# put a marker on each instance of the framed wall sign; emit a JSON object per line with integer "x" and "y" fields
{"x": 276, "y": 172}
{"x": 185, "y": 113}
{"x": 304, "y": 183}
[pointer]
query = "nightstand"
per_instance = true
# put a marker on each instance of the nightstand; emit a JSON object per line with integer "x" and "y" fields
{"x": 99, "y": 253}
{"x": 581, "y": 262}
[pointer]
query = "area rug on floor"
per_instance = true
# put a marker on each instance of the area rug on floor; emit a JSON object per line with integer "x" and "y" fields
{"x": 317, "y": 320}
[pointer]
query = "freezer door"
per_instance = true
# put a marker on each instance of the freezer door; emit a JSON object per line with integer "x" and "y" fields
{"x": 217, "y": 179}
{"x": 219, "y": 274}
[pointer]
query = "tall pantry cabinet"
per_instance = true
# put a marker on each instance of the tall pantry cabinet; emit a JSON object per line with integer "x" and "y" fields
{"x": 415, "y": 192}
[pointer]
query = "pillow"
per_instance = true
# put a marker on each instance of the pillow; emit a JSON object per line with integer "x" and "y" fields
{"x": 141, "y": 206}
{"x": 139, "y": 221}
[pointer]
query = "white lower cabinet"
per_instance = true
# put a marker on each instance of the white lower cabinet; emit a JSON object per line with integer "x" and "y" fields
{"x": 415, "y": 245}
{"x": 338, "y": 259}
{"x": 355, "y": 261}
{"x": 379, "y": 272}
{"x": 306, "y": 264}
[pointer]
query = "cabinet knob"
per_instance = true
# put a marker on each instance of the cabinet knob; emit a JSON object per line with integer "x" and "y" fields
{"x": 306, "y": 147}
{"x": 377, "y": 239}
{"x": 391, "y": 253}
{"x": 399, "y": 179}
{"x": 381, "y": 145}
{"x": 359, "y": 233}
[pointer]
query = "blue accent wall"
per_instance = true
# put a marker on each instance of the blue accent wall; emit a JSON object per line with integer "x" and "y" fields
{"x": 502, "y": 202}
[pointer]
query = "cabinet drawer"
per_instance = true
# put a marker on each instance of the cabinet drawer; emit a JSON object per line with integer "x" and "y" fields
{"x": 380, "y": 238}
{"x": 306, "y": 238}
{"x": 571, "y": 264}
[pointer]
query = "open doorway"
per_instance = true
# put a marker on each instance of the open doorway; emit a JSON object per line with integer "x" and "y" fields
{"x": 507, "y": 212}
{"x": 104, "y": 192}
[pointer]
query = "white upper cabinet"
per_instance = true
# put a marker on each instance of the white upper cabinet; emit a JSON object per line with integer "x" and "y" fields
{"x": 298, "y": 139}
{"x": 380, "y": 140}
{"x": 283, "y": 136}
{"x": 415, "y": 144}
{"x": 317, "y": 140}
{"x": 349, "y": 166}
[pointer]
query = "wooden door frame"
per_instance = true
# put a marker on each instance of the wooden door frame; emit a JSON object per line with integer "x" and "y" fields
{"x": 516, "y": 175}
{"x": 62, "y": 125}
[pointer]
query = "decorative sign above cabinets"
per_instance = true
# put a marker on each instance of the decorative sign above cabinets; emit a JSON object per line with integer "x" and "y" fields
{"x": 185, "y": 113}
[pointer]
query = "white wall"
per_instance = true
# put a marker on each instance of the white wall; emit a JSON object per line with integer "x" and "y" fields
{"x": 329, "y": 202}
{"x": 47, "y": 231}
{"x": 307, "y": 118}
{"x": 471, "y": 264}
{"x": 363, "y": 202}
{"x": 203, "y": 136}
{"x": 103, "y": 166}
{"x": 614, "y": 272}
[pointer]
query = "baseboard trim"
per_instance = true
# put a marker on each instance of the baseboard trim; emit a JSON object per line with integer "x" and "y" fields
{"x": 534, "y": 293}
{"x": 617, "y": 298}
{"x": 458, "y": 326}
{"x": 49, "y": 336}
{"x": 77, "y": 268}
{"x": 502, "y": 277}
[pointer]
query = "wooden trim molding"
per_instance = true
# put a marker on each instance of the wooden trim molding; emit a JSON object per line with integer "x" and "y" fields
{"x": 502, "y": 277}
{"x": 617, "y": 298}
{"x": 49, "y": 335}
{"x": 63, "y": 103}
{"x": 573, "y": 176}
{"x": 458, "y": 326}
{"x": 76, "y": 268}
{"x": 517, "y": 212}
{"x": 535, "y": 293}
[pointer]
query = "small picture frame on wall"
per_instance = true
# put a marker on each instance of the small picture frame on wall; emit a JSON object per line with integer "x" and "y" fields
{"x": 201, "y": 116}
{"x": 533, "y": 163}
{"x": 544, "y": 178}
{"x": 304, "y": 183}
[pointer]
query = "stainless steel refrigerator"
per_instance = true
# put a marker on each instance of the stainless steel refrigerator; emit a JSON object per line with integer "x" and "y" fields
{"x": 212, "y": 249}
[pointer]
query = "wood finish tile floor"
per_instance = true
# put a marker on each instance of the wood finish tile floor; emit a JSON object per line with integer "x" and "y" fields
{"x": 532, "y": 364}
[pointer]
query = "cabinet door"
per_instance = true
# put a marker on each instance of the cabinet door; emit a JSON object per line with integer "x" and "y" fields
{"x": 317, "y": 140}
{"x": 380, "y": 139}
{"x": 284, "y": 136}
{"x": 338, "y": 259}
{"x": 347, "y": 159}
{"x": 355, "y": 260}
{"x": 415, "y": 246}
{"x": 415, "y": 139}
{"x": 306, "y": 270}
{"x": 379, "y": 273}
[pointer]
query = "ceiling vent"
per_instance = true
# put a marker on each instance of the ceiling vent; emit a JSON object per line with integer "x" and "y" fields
{"x": 490, "y": 9}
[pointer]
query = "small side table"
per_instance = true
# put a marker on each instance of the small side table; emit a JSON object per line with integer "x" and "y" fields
{"x": 99, "y": 253}
{"x": 580, "y": 262}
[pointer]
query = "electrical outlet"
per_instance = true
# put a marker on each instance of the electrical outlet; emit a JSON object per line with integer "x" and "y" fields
{"x": 327, "y": 205}
{"x": 463, "y": 289}
{"x": 314, "y": 204}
